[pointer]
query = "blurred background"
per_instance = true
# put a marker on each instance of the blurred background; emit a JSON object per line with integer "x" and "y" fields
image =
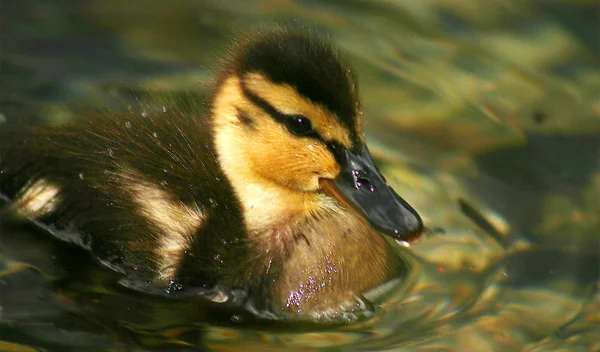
{"x": 484, "y": 115}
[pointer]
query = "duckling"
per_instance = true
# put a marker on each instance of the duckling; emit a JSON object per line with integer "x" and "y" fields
{"x": 270, "y": 186}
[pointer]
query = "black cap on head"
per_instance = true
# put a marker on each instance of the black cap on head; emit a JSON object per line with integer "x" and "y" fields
{"x": 305, "y": 62}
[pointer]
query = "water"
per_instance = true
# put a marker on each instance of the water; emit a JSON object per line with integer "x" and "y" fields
{"x": 484, "y": 115}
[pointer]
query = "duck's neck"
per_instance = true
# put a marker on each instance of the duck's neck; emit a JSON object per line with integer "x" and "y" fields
{"x": 272, "y": 212}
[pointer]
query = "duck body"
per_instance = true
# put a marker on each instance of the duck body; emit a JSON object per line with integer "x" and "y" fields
{"x": 134, "y": 186}
{"x": 240, "y": 191}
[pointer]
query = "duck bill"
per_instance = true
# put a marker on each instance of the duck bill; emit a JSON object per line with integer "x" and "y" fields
{"x": 361, "y": 187}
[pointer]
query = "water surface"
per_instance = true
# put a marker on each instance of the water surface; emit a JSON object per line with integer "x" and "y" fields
{"x": 484, "y": 115}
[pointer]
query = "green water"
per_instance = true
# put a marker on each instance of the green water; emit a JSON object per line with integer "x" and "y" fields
{"x": 485, "y": 116}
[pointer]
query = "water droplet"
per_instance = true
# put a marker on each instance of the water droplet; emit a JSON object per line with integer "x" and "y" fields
{"x": 220, "y": 298}
{"x": 236, "y": 318}
{"x": 212, "y": 202}
{"x": 403, "y": 243}
{"x": 174, "y": 286}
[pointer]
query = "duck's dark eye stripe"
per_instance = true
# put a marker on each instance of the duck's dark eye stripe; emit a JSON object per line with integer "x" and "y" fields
{"x": 261, "y": 103}
{"x": 297, "y": 124}
{"x": 337, "y": 149}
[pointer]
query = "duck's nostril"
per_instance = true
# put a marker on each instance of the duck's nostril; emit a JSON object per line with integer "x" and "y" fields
{"x": 361, "y": 181}
{"x": 364, "y": 182}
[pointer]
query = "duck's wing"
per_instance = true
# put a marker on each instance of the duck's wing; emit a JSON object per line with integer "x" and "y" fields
{"x": 142, "y": 190}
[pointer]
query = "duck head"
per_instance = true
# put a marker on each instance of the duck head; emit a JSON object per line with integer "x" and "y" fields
{"x": 287, "y": 114}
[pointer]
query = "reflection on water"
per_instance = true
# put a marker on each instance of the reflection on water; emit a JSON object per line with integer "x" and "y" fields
{"x": 485, "y": 116}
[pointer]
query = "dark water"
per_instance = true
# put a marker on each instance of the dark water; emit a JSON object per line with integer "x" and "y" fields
{"x": 484, "y": 115}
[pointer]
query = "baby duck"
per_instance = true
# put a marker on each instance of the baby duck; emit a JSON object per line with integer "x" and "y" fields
{"x": 271, "y": 187}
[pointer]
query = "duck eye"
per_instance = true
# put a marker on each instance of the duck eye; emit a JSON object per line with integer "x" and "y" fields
{"x": 299, "y": 125}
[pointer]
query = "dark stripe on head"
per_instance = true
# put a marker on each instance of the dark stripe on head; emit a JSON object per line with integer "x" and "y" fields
{"x": 261, "y": 103}
{"x": 274, "y": 113}
{"x": 335, "y": 147}
{"x": 310, "y": 66}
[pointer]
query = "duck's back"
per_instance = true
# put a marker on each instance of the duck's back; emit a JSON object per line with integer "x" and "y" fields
{"x": 143, "y": 188}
